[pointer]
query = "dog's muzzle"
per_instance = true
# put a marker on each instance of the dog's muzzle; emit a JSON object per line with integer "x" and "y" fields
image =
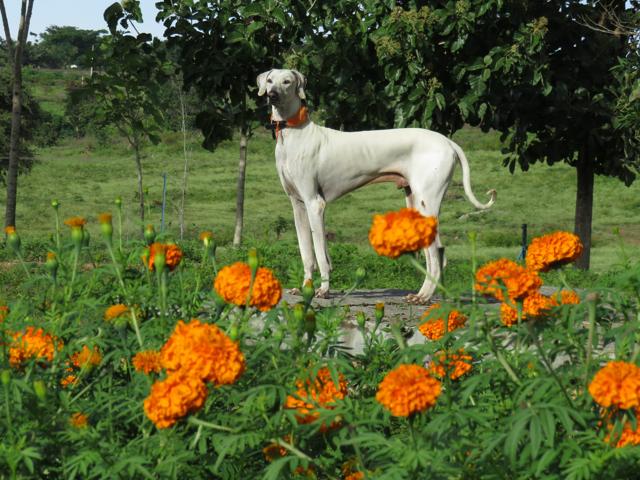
{"x": 272, "y": 97}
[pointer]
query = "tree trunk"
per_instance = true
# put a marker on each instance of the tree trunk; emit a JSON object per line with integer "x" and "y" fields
{"x": 136, "y": 148}
{"x": 242, "y": 168}
{"x": 16, "y": 112}
{"x": 584, "y": 209}
{"x": 186, "y": 162}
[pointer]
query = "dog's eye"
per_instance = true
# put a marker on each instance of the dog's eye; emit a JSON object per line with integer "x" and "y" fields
{"x": 287, "y": 82}
{"x": 269, "y": 81}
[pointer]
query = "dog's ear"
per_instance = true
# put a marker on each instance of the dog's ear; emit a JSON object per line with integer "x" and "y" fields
{"x": 302, "y": 82}
{"x": 262, "y": 82}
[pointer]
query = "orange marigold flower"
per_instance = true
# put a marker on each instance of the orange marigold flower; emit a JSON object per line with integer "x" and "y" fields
{"x": 568, "y": 297}
{"x": 433, "y": 328}
{"x": 10, "y": 230}
{"x": 495, "y": 277}
{"x": 401, "y": 232}
{"x": 172, "y": 254}
{"x": 534, "y": 305}
{"x": 4, "y": 311}
{"x": 105, "y": 218}
{"x": 453, "y": 365}
{"x": 116, "y": 311}
{"x": 204, "y": 351}
{"x": 147, "y": 361}
{"x": 76, "y": 222}
{"x": 87, "y": 358}
{"x": 79, "y": 420}
{"x": 355, "y": 476}
{"x": 321, "y": 392}
{"x": 408, "y": 389}
{"x": 553, "y": 250}
{"x": 628, "y": 436}
{"x": 33, "y": 343}
{"x": 173, "y": 398}
{"x": 68, "y": 380}
{"x": 617, "y": 384}
{"x": 233, "y": 281}
{"x": 274, "y": 450}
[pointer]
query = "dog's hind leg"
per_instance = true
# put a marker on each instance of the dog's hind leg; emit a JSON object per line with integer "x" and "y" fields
{"x": 305, "y": 243}
{"x": 428, "y": 204}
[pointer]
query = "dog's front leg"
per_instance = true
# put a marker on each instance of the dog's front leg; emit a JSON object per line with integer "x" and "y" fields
{"x": 315, "y": 212}
{"x": 305, "y": 243}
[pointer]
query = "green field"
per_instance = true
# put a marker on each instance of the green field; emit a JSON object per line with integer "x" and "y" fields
{"x": 86, "y": 177}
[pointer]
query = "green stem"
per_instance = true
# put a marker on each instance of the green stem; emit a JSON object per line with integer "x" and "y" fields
{"x": 57, "y": 230}
{"x": 74, "y": 270}
{"x": 591, "y": 307}
{"x": 502, "y": 360}
{"x": 292, "y": 449}
{"x": 24, "y": 265}
{"x": 212, "y": 426}
{"x": 422, "y": 269}
{"x": 7, "y": 412}
{"x": 547, "y": 363}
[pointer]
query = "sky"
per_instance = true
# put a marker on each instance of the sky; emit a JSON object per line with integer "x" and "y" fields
{"x": 84, "y": 14}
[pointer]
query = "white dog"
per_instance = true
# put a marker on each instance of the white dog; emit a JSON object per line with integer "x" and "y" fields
{"x": 317, "y": 165}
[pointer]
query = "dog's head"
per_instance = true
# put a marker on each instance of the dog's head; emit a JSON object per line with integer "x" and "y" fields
{"x": 281, "y": 85}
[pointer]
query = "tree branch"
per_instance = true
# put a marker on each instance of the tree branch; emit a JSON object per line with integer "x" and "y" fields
{"x": 7, "y": 31}
{"x": 611, "y": 23}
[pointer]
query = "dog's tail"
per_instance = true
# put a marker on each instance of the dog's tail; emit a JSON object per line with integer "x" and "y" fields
{"x": 466, "y": 180}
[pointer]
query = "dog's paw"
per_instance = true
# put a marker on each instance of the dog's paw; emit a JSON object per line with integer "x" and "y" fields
{"x": 322, "y": 292}
{"x": 416, "y": 299}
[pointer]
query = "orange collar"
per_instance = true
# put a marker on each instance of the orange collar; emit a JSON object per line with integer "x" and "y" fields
{"x": 298, "y": 119}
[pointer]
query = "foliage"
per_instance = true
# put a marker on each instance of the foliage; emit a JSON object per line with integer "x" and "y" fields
{"x": 63, "y": 46}
{"x": 523, "y": 411}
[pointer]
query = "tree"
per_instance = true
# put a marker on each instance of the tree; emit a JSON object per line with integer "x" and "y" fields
{"x": 63, "y": 46}
{"x": 126, "y": 90}
{"x": 528, "y": 69}
{"x": 15, "y": 53}
{"x": 223, "y": 47}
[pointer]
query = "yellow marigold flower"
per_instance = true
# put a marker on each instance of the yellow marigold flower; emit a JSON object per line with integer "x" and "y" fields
{"x": 86, "y": 358}
{"x": 453, "y": 365}
{"x": 233, "y": 281}
{"x": 173, "y": 398}
{"x": 172, "y": 254}
{"x": 495, "y": 277}
{"x": 76, "y": 222}
{"x": 105, "y": 217}
{"x": 147, "y": 361}
{"x": 33, "y": 344}
{"x": 408, "y": 389}
{"x": 116, "y": 311}
{"x": 311, "y": 394}
{"x": 10, "y": 230}
{"x": 401, "y": 232}
{"x": 79, "y": 420}
{"x": 433, "y": 328}
{"x": 204, "y": 351}
{"x": 4, "y": 311}
{"x": 617, "y": 384}
{"x": 553, "y": 250}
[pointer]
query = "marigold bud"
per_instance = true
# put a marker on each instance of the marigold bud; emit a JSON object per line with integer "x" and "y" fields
{"x": 361, "y": 319}
{"x": 252, "y": 259}
{"x": 51, "y": 264}
{"x": 361, "y": 273}
{"x": 40, "y": 390}
{"x": 310, "y": 322}
{"x": 5, "y": 377}
{"x": 77, "y": 235}
{"x": 13, "y": 240}
{"x": 149, "y": 234}
{"x": 234, "y": 332}
{"x": 159, "y": 261}
{"x": 55, "y": 204}
{"x": 118, "y": 202}
{"x": 307, "y": 291}
{"x": 106, "y": 225}
{"x": 379, "y": 312}
{"x": 298, "y": 313}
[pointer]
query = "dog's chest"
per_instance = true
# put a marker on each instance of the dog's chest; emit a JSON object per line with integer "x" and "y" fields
{"x": 292, "y": 167}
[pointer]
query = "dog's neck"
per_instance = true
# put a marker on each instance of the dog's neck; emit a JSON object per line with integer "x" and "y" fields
{"x": 285, "y": 111}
